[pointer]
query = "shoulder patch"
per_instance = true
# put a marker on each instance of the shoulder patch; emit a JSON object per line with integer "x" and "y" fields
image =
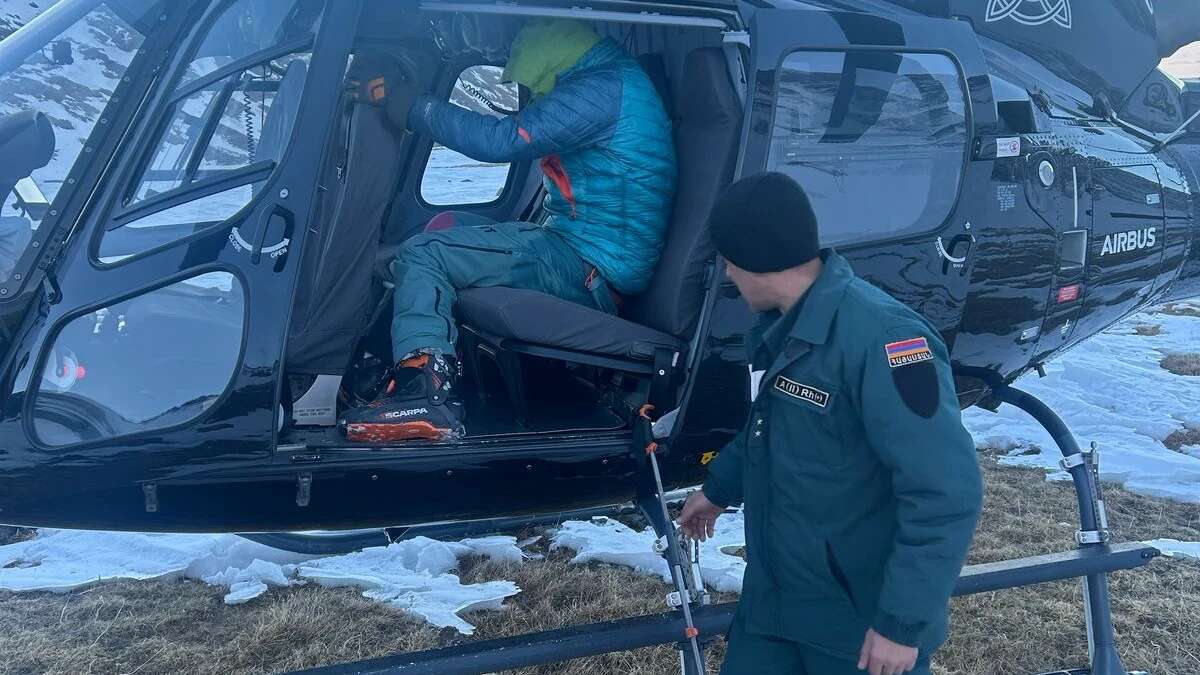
{"x": 908, "y": 352}
{"x": 804, "y": 392}
{"x": 918, "y": 388}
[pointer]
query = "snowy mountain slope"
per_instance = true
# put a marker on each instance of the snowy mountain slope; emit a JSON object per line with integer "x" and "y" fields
{"x": 72, "y": 95}
{"x": 17, "y": 13}
{"x": 1184, "y": 63}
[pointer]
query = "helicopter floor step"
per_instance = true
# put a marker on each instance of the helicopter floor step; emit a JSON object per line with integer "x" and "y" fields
{"x": 492, "y": 418}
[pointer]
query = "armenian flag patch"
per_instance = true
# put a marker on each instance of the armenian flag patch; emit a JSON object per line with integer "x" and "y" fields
{"x": 907, "y": 352}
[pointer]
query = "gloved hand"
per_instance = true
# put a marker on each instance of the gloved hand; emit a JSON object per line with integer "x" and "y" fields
{"x": 391, "y": 83}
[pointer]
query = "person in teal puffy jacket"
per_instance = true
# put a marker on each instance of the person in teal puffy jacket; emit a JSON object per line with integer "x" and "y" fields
{"x": 603, "y": 139}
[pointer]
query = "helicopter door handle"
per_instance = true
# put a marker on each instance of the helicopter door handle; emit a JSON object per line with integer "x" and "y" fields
{"x": 951, "y": 254}
{"x": 278, "y": 219}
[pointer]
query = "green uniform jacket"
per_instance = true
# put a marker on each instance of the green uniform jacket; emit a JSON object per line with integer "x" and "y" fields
{"x": 861, "y": 486}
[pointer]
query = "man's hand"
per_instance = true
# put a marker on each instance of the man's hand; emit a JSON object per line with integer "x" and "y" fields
{"x": 881, "y": 656}
{"x": 699, "y": 516}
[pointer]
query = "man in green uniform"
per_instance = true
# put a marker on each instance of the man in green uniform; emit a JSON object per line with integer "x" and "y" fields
{"x": 861, "y": 486}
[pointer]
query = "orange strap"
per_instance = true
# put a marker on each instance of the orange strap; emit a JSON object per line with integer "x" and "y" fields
{"x": 552, "y": 166}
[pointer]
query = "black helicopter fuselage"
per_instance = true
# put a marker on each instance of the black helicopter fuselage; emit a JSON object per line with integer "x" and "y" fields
{"x": 1067, "y": 212}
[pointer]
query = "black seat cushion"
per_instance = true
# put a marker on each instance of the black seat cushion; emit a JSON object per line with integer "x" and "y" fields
{"x": 542, "y": 319}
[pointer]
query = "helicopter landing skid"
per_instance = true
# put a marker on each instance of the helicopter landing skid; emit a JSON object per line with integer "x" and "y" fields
{"x": 1093, "y": 535}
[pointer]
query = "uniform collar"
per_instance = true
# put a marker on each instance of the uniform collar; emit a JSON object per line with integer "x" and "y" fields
{"x": 821, "y": 302}
{"x": 810, "y": 319}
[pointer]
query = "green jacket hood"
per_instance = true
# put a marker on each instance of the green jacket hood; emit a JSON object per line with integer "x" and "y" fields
{"x": 546, "y": 48}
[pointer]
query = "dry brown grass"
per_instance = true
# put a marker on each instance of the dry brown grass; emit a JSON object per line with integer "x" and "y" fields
{"x": 1182, "y": 437}
{"x": 1147, "y": 329}
{"x": 1033, "y": 629}
{"x": 168, "y": 627}
{"x": 1180, "y": 363}
{"x": 12, "y": 535}
{"x": 1178, "y": 309}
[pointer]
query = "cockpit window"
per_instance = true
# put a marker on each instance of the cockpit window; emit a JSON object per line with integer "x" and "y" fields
{"x": 248, "y": 27}
{"x": 228, "y": 123}
{"x": 66, "y": 69}
{"x": 877, "y": 139}
{"x": 153, "y": 361}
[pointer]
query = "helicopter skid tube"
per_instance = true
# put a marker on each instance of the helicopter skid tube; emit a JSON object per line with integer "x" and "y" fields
{"x": 335, "y": 543}
{"x": 545, "y": 647}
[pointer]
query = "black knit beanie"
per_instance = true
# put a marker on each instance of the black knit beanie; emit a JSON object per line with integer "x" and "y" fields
{"x": 764, "y": 223}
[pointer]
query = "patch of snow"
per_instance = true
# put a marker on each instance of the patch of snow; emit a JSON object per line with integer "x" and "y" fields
{"x": 1111, "y": 390}
{"x": 61, "y": 561}
{"x": 1174, "y": 547}
{"x": 412, "y": 575}
{"x": 607, "y": 540}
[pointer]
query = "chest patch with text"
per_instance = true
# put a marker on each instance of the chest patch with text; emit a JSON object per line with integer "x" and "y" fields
{"x": 802, "y": 391}
{"x": 907, "y": 352}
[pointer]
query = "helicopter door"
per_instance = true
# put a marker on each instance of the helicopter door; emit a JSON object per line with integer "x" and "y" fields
{"x": 159, "y": 353}
{"x": 874, "y": 117}
{"x": 1126, "y": 250}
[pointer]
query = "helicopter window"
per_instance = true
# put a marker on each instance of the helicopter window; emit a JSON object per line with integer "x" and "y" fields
{"x": 82, "y": 56}
{"x": 172, "y": 224}
{"x": 877, "y": 139}
{"x": 154, "y": 361}
{"x": 452, "y": 178}
{"x": 247, "y": 27}
{"x": 221, "y": 139}
{"x": 226, "y": 125}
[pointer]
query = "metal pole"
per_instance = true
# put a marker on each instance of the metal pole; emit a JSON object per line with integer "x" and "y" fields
{"x": 694, "y": 665}
{"x": 1097, "y": 606}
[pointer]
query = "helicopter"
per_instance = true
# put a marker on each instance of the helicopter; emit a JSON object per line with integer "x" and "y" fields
{"x": 195, "y": 284}
{"x": 197, "y": 221}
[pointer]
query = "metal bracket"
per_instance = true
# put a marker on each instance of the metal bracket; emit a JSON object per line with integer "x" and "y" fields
{"x": 675, "y": 600}
{"x": 150, "y": 497}
{"x": 736, "y": 37}
{"x": 1071, "y": 461}
{"x": 303, "y": 489}
{"x": 1092, "y": 537}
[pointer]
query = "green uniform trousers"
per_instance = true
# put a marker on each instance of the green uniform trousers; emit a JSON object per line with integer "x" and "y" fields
{"x": 751, "y": 654}
{"x": 434, "y": 266}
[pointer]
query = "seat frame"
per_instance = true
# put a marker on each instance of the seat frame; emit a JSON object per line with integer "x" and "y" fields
{"x": 507, "y": 355}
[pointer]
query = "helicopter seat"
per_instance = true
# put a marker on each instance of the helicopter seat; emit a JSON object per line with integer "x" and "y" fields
{"x": 336, "y": 294}
{"x": 501, "y": 324}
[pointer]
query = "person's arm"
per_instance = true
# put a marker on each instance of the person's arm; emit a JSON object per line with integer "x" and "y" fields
{"x": 911, "y": 416}
{"x": 578, "y": 113}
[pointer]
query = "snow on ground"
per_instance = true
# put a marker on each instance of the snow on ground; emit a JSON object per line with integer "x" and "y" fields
{"x": 606, "y": 540}
{"x": 1111, "y": 390}
{"x": 1174, "y": 547}
{"x": 412, "y": 576}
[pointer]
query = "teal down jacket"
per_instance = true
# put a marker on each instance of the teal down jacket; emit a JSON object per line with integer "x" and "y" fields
{"x": 604, "y": 141}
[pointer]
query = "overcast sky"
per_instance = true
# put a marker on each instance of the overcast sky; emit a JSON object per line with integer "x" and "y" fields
{"x": 1185, "y": 62}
